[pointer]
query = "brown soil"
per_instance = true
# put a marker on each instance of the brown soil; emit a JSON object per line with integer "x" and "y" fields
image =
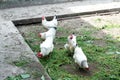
{"x": 99, "y": 42}
{"x": 75, "y": 70}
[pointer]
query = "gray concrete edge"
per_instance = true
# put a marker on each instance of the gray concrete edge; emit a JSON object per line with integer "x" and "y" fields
{"x": 43, "y": 71}
{"x": 59, "y": 17}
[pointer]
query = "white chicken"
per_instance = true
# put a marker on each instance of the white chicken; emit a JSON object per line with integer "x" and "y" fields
{"x": 50, "y": 33}
{"x": 46, "y": 47}
{"x": 42, "y": 35}
{"x": 71, "y": 44}
{"x": 80, "y": 58}
{"x": 49, "y": 24}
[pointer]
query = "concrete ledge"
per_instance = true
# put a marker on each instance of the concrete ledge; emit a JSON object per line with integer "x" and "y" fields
{"x": 60, "y": 17}
{"x": 25, "y": 15}
{"x": 13, "y": 49}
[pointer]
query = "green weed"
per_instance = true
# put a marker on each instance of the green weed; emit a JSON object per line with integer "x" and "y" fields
{"x": 109, "y": 26}
{"x": 98, "y": 20}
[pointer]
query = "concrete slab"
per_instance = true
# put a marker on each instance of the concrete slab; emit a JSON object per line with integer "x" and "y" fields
{"x": 70, "y": 8}
{"x": 13, "y": 50}
{"x": 18, "y": 3}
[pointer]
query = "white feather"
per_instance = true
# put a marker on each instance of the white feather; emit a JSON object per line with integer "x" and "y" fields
{"x": 79, "y": 56}
{"x": 50, "y": 24}
{"x": 47, "y": 46}
{"x": 71, "y": 43}
{"x": 50, "y": 33}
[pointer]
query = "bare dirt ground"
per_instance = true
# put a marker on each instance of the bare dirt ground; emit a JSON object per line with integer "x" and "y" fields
{"x": 90, "y": 24}
{"x": 101, "y": 20}
{"x": 77, "y": 24}
{"x": 75, "y": 70}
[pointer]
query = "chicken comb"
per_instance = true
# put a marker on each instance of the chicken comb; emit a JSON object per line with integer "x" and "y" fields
{"x": 71, "y": 36}
{"x": 43, "y": 17}
{"x": 39, "y": 55}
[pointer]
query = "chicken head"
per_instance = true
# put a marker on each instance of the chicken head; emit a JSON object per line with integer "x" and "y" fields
{"x": 43, "y": 17}
{"x": 39, "y": 55}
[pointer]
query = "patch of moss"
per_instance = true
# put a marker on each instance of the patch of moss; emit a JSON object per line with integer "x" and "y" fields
{"x": 21, "y": 61}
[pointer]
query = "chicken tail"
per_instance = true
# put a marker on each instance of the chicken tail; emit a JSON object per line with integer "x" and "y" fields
{"x": 55, "y": 17}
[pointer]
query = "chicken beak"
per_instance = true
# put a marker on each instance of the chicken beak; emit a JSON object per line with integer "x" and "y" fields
{"x": 71, "y": 36}
{"x": 39, "y": 55}
{"x": 39, "y": 34}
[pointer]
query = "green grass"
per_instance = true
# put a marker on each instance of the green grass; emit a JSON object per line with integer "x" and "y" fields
{"x": 109, "y": 26}
{"x": 22, "y": 76}
{"x": 22, "y": 61}
{"x": 107, "y": 65}
{"x": 17, "y": 77}
{"x": 98, "y": 20}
